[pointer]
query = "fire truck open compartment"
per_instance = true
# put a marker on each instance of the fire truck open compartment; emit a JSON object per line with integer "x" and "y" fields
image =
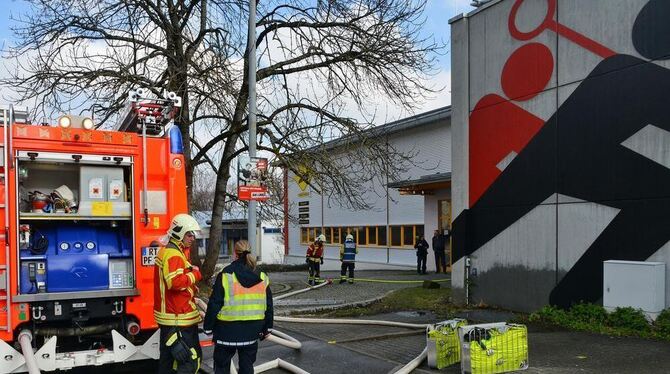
{"x": 78, "y": 239}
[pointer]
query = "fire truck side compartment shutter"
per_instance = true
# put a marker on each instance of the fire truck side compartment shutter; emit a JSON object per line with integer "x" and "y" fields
{"x": 156, "y": 202}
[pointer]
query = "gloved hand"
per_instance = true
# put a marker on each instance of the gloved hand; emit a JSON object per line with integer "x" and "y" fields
{"x": 307, "y": 260}
{"x": 321, "y": 260}
{"x": 263, "y": 334}
{"x": 179, "y": 349}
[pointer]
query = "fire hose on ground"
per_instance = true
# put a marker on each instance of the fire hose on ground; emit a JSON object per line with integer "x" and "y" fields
{"x": 278, "y": 337}
{"x": 25, "y": 340}
{"x": 288, "y": 341}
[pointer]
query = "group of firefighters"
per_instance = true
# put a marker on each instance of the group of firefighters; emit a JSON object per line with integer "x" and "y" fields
{"x": 314, "y": 259}
{"x": 239, "y": 312}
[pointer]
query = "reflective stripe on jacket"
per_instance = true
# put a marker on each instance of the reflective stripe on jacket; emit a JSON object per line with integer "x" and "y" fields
{"x": 348, "y": 251}
{"x": 241, "y": 303}
{"x": 174, "y": 287}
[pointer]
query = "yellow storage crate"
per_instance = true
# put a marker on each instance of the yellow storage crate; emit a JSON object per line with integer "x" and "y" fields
{"x": 444, "y": 348}
{"x": 493, "y": 348}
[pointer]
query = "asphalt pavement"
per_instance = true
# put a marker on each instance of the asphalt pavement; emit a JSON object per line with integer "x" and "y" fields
{"x": 377, "y": 349}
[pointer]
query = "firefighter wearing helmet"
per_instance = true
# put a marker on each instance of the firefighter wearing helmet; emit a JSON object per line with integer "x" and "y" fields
{"x": 174, "y": 304}
{"x": 315, "y": 259}
{"x": 348, "y": 253}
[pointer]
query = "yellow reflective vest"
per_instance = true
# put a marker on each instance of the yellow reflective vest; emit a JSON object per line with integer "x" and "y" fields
{"x": 241, "y": 303}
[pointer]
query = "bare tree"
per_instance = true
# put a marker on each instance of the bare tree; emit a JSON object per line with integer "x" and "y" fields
{"x": 202, "y": 197}
{"x": 83, "y": 55}
{"x": 322, "y": 64}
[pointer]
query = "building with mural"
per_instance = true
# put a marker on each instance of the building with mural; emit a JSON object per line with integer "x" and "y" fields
{"x": 561, "y": 147}
{"x": 418, "y": 203}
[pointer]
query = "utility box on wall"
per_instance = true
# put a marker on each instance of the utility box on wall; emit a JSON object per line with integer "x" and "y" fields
{"x": 636, "y": 284}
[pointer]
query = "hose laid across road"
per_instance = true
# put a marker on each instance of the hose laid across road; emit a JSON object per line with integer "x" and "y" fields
{"x": 400, "y": 281}
{"x": 352, "y": 322}
{"x": 288, "y": 341}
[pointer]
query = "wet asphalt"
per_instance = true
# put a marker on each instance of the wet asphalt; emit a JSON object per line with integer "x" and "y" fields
{"x": 359, "y": 349}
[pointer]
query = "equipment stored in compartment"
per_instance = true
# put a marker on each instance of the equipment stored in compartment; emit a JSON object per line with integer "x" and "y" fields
{"x": 77, "y": 257}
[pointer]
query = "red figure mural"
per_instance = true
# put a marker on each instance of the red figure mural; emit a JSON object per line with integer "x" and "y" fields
{"x": 500, "y": 129}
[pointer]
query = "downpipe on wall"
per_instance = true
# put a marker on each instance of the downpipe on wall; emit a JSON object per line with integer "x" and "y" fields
{"x": 467, "y": 280}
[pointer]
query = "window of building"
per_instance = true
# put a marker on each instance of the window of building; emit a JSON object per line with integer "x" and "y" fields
{"x": 403, "y": 236}
{"x": 381, "y": 235}
{"x": 304, "y": 235}
{"x": 408, "y": 235}
{"x": 362, "y": 235}
{"x": 419, "y": 231}
{"x": 336, "y": 235}
{"x": 372, "y": 235}
{"x": 396, "y": 236}
{"x": 326, "y": 232}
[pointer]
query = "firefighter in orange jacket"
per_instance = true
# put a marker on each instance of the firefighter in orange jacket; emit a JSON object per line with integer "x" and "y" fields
{"x": 174, "y": 305}
{"x": 315, "y": 259}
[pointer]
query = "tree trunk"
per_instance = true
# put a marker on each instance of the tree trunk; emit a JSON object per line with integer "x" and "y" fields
{"x": 216, "y": 228}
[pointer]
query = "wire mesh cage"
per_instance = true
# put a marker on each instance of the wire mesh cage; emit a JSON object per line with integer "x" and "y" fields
{"x": 444, "y": 348}
{"x": 493, "y": 348}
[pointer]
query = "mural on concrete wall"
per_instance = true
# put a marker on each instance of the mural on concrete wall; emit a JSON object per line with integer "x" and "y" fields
{"x": 607, "y": 143}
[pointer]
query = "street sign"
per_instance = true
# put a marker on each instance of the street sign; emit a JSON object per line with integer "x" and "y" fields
{"x": 303, "y": 215}
{"x": 303, "y": 222}
{"x": 252, "y": 177}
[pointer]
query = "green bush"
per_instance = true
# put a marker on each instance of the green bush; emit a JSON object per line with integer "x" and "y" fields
{"x": 588, "y": 314}
{"x": 551, "y": 315}
{"x": 662, "y": 324}
{"x": 629, "y": 319}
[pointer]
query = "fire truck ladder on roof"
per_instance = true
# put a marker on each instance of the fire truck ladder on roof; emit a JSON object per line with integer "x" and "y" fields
{"x": 144, "y": 113}
{"x": 149, "y": 117}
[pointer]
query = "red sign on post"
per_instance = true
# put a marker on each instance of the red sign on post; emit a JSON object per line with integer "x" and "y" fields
{"x": 252, "y": 177}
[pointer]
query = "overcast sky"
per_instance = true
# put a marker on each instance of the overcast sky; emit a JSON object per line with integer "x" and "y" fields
{"x": 438, "y": 12}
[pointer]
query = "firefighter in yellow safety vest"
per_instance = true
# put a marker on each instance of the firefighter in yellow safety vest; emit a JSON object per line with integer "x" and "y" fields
{"x": 239, "y": 312}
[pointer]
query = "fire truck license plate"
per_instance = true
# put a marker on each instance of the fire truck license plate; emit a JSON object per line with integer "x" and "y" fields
{"x": 149, "y": 255}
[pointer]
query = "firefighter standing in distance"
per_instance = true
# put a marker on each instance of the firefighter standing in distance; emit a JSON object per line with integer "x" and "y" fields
{"x": 348, "y": 253}
{"x": 174, "y": 300}
{"x": 239, "y": 311}
{"x": 315, "y": 260}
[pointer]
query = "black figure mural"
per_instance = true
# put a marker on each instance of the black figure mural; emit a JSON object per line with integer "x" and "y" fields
{"x": 578, "y": 152}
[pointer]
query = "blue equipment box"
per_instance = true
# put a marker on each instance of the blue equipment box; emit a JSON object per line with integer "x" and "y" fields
{"x": 77, "y": 258}
{"x": 82, "y": 272}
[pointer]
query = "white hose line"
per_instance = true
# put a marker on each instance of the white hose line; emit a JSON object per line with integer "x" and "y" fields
{"x": 352, "y": 322}
{"x": 414, "y": 363}
{"x": 278, "y": 363}
{"x": 283, "y": 339}
{"x": 301, "y": 291}
{"x": 289, "y": 341}
{"x": 25, "y": 338}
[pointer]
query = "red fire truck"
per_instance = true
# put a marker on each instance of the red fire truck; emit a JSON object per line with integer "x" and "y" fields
{"x": 82, "y": 211}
